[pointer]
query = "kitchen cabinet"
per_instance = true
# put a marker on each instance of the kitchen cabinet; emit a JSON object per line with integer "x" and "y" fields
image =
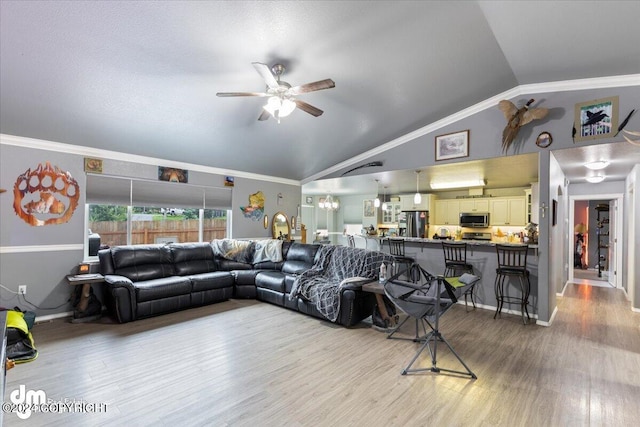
{"x": 474, "y": 205}
{"x": 406, "y": 202}
{"x": 390, "y": 216}
{"x": 447, "y": 212}
{"x": 532, "y": 197}
{"x": 507, "y": 211}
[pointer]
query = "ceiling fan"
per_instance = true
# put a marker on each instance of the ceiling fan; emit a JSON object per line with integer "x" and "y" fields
{"x": 281, "y": 95}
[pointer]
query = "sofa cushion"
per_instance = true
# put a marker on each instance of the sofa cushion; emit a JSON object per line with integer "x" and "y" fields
{"x": 273, "y": 280}
{"x": 193, "y": 258}
{"x": 208, "y": 281}
{"x": 228, "y": 265}
{"x": 162, "y": 288}
{"x": 268, "y": 265}
{"x": 300, "y": 257}
{"x": 142, "y": 262}
{"x": 289, "y": 279}
{"x": 245, "y": 277}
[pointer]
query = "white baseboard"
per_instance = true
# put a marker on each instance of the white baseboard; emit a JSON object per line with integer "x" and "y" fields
{"x": 50, "y": 317}
{"x": 553, "y": 316}
{"x": 493, "y": 308}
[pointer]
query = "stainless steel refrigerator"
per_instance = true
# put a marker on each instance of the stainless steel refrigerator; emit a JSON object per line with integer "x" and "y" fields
{"x": 417, "y": 223}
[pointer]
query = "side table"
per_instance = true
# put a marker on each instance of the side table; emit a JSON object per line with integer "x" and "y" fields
{"x": 85, "y": 280}
{"x": 377, "y": 288}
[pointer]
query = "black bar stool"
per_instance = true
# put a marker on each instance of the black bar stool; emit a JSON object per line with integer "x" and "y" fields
{"x": 512, "y": 262}
{"x": 455, "y": 261}
{"x": 396, "y": 250}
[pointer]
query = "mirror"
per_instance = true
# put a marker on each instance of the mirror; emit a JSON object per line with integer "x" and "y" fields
{"x": 280, "y": 226}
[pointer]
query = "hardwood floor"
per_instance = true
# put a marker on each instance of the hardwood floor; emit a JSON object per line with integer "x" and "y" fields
{"x": 247, "y": 363}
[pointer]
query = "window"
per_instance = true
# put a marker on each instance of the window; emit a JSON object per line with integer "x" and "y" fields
{"x": 132, "y": 212}
{"x": 149, "y": 225}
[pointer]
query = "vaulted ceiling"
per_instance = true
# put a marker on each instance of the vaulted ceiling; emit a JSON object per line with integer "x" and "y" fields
{"x": 141, "y": 77}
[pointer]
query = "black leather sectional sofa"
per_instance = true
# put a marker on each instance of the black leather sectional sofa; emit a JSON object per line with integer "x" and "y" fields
{"x": 148, "y": 280}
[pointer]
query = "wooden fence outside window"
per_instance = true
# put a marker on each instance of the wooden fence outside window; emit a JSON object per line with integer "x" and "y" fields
{"x": 114, "y": 233}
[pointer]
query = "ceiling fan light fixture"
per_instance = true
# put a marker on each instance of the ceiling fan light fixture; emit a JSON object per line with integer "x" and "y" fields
{"x": 597, "y": 165}
{"x": 595, "y": 179}
{"x": 279, "y": 107}
{"x": 287, "y": 107}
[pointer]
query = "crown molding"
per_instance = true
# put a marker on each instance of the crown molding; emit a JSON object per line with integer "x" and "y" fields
{"x": 41, "y": 144}
{"x": 558, "y": 86}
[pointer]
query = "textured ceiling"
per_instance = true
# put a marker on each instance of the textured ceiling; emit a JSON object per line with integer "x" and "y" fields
{"x": 141, "y": 77}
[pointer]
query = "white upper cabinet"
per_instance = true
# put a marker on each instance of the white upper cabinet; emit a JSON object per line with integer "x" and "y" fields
{"x": 406, "y": 202}
{"x": 533, "y": 202}
{"x": 447, "y": 212}
{"x": 390, "y": 216}
{"x": 507, "y": 211}
{"x": 474, "y": 205}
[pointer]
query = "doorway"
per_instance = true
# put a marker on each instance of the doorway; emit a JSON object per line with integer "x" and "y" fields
{"x": 596, "y": 240}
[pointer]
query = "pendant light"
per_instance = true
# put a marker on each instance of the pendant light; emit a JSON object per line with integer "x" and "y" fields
{"x": 376, "y": 202}
{"x": 384, "y": 199}
{"x": 417, "y": 199}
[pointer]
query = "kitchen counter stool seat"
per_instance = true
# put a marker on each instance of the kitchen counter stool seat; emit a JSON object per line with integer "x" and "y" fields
{"x": 396, "y": 250}
{"x": 455, "y": 261}
{"x": 512, "y": 262}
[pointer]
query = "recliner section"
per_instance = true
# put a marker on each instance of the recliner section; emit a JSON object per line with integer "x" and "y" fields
{"x": 148, "y": 280}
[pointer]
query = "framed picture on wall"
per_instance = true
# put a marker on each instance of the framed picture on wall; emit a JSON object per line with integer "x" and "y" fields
{"x": 452, "y": 145}
{"x": 596, "y": 119}
{"x": 369, "y": 209}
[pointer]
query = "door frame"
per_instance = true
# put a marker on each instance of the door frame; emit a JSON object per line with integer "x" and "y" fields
{"x": 619, "y": 198}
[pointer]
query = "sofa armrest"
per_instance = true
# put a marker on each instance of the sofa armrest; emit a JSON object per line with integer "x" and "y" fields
{"x": 354, "y": 283}
{"x": 123, "y": 296}
{"x": 356, "y": 305}
{"x": 117, "y": 281}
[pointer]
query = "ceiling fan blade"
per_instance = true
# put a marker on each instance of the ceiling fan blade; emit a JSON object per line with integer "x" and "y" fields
{"x": 226, "y": 94}
{"x": 264, "y": 115}
{"x": 308, "y": 108}
{"x": 312, "y": 87}
{"x": 267, "y": 75}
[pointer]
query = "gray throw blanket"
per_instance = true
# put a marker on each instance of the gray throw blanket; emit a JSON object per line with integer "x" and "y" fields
{"x": 334, "y": 267}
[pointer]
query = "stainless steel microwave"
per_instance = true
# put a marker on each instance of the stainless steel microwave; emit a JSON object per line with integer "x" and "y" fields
{"x": 474, "y": 219}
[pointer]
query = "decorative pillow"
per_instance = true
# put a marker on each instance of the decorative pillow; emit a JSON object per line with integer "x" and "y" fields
{"x": 234, "y": 250}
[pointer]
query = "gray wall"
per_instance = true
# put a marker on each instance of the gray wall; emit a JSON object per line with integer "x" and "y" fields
{"x": 38, "y": 257}
{"x": 631, "y": 264}
{"x": 559, "y": 264}
{"x": 487, "y": 125}
{"x": 41, "y": 257}
{"x": 247, "y": 228}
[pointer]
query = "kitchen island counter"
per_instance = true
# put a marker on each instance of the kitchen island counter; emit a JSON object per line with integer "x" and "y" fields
{"x": 468, "y": 242}
{"x": 483, "y": 257}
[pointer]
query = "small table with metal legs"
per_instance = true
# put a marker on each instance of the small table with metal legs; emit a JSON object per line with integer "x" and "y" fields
{"x": 85, "y": 280}
{"x": 377, "y": 288}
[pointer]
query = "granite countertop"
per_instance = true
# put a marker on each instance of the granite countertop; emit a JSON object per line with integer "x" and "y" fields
{"x": 469, "y": 242}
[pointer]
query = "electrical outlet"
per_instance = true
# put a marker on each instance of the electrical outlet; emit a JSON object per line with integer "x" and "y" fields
{"x": 22, "y": 289}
